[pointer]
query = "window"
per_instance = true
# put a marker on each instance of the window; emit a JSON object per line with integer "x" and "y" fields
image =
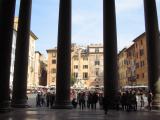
{"x": 54, "y": 61}
{"x": 142, "y": 63}
{"x": 96, "y": 50}
{"x": 137, "y": 76}
{"x": 141, "y": 52}
{"x": 97, "y": 71}
{"x": 129, "y": 54}
{"x": 53, "y": 54}
{"x": 142, "y": 75}
{"x": 75, "y": 58}
{"x": 85, "y": 75}
{"x": 53, "y": 70}
{"x": 85, "y": 66}
{"x": 137, "y": 54}
{"x": 75, "y": 75}
{"x": 141, "y": 42}
{"x": 137, "y": 65}
{"x": 85, "y": 58}
{"x": 75, "y": 66}
{"x": 97, "y": 62}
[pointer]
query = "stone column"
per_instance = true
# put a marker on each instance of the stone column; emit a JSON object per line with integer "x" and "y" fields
{"x": 21, "y": 55}
{"x": 153, "y": 49}
{"x": 63, "y": 57}
{"x": 110, "y": 51}
{"x": 7, "y": 10}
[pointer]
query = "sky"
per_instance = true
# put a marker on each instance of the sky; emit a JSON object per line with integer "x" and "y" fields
{"x": 87, "y": 22}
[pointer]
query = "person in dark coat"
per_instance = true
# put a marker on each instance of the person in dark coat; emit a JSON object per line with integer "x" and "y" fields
{"x": 74, "y": 103}
{"x": 95, "y": 100}
{"x": 48, "y": 98}
{"x": 150, "y": 100}
{"x": 105, "y": 104}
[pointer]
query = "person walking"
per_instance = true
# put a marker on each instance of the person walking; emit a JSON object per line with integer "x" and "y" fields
{"x": 141, "y": 100}
{"x": 38, "y": 99}
{"x": 150, "y": 99}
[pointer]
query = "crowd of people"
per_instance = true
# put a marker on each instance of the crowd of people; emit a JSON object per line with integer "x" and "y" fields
{"x": 86, "y": 100}
{"x": 128, "y": 100}
{"x": 45, "y": 99}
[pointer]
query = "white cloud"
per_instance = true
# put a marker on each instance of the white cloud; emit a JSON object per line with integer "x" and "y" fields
{"x": 128, "y": 5}
{"x": 81, "y": 18}
{"x": 87, "y": 27}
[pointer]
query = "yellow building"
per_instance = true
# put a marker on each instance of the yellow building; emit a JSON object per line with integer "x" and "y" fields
{"x": 79, "y": 66}
{"x": 133, "y": 61}
{"x": 131, "y": 66}
{"x": 122, "y": 68}
{"x": 95, "y": 58}
{"x": 86, "y": 66}
{"x": 51, "y": 67}
{"x": 141, "y": 60}
{"x": 40, "y": 70}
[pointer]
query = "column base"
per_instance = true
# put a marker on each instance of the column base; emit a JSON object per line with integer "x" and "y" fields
{"x": 4, "y": 110}
{"x": 19, "y": 104}
{"x": 5, "y": 107}
{"x": 111, "y": 102}
{"x": 62, "y": 105}
{"x": 156, "y": 102}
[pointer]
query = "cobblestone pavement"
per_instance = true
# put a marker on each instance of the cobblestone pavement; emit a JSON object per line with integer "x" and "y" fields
{"x": 77, "y": 114}
{"x": 44, "y": 113}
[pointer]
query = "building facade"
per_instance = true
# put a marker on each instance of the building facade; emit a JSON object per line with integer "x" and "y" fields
{"x": 86, "y": 66}
{"x": 40, "y": 70}
{"x": 133, "y": 66}
{"x": 31, "y": 58}
{"x": 79, "y": 66}
{"x": 64, "y": 41}
{"x": 141, "y": 60}
{"x": 95, "y": 57}
{"x": 51, "y": 67}
{"x": 122, "y": 68}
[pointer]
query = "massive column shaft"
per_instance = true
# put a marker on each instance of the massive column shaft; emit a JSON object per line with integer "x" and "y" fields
{"x": 110, "y": 50}
{"x": 153, "y": 49}
{"x": 21, "y": 55}
{"x": 63, "y": 56}
{"x": 7, "y": 10}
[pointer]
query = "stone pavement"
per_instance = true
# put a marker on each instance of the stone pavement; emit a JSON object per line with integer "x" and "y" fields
{"x": 77, "y": 114}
